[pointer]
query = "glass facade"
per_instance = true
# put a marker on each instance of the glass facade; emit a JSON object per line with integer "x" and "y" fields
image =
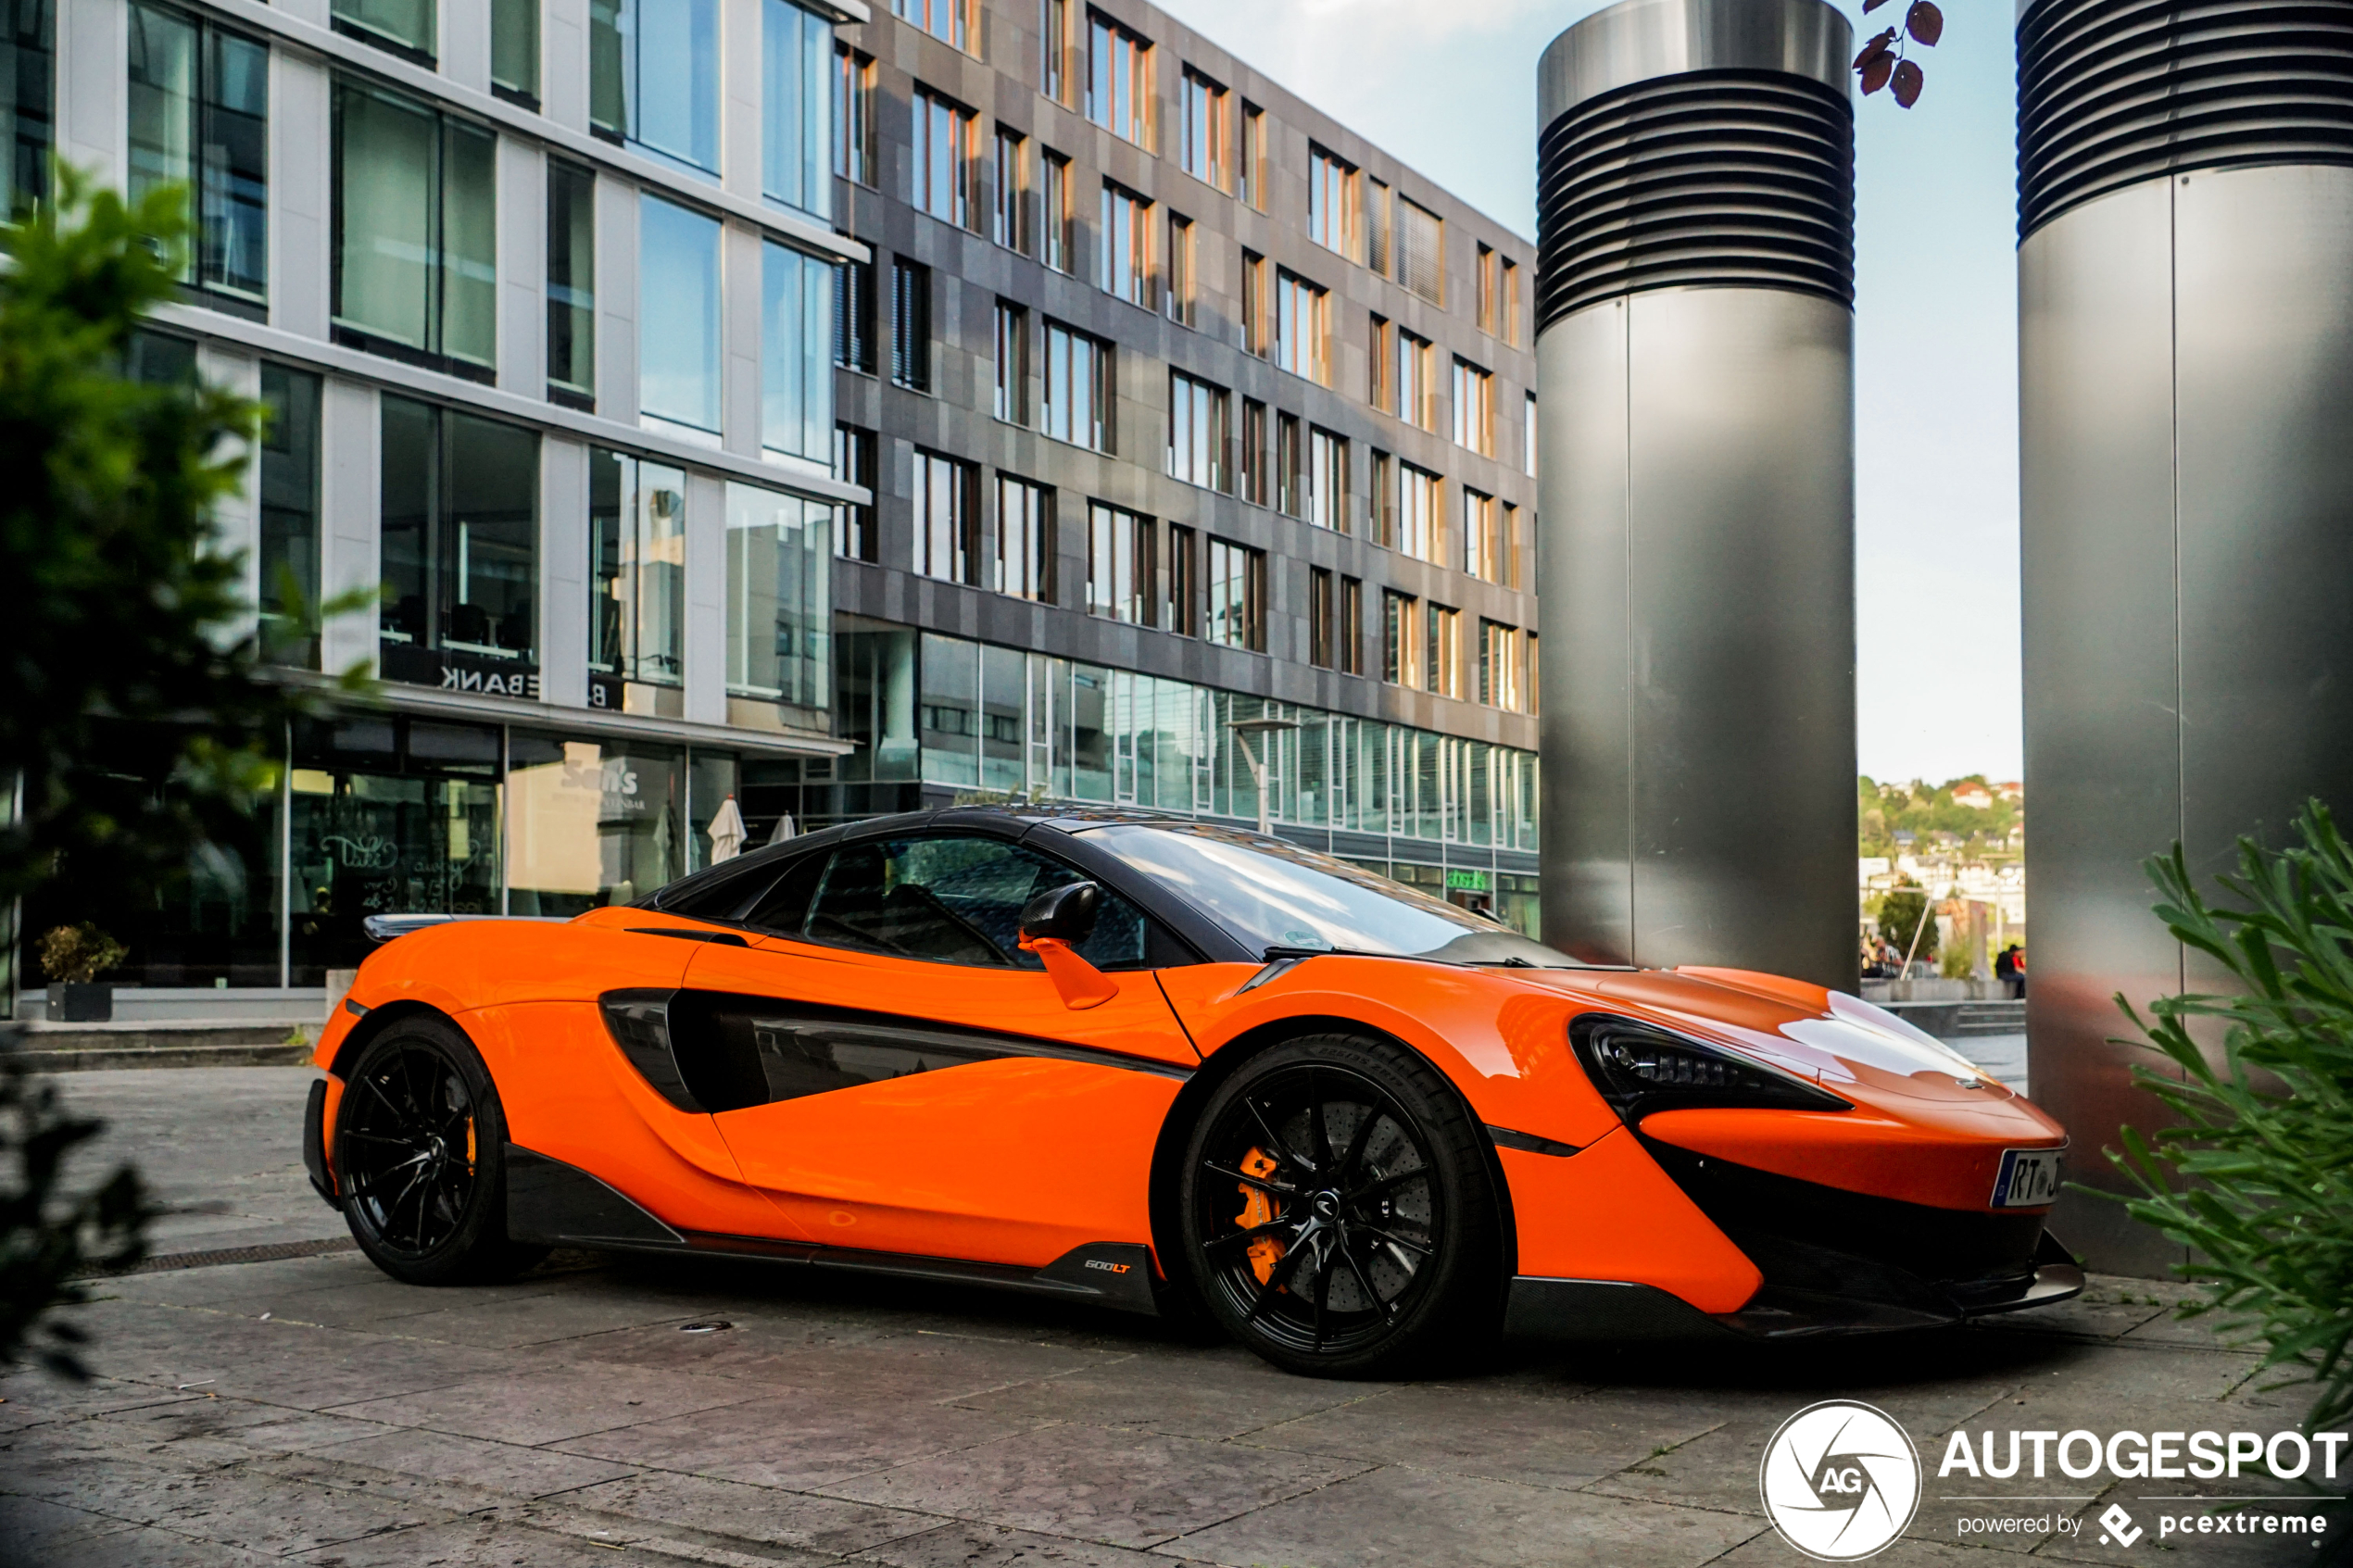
{"x": 678, "y": 352}
{"x": 199, "y": 119}
{"x": 779, "y": 607}
{"x": 28, "y": 101}
{"x": 416, "y": 268}
{"x": 796, "y": 356}
{"x": 653, "y": 77}
{"x": 571, "y": 283}
{"x": 796, "y": 109}
{"x": 407, "y": 26}
{"x": 461, "y": 552}
{"x": 636, "y": 582}
{"x": 514, "y": 50}
{"x": 288, "y": 552}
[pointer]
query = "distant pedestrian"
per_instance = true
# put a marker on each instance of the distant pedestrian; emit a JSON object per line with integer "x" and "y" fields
{"x": 2010, "y": 965}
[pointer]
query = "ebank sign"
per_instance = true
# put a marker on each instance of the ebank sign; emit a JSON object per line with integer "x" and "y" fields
{"x": 1842, "y": 1481}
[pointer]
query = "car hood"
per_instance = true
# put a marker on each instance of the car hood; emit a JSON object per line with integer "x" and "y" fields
{"x": 1847, "y": 1046}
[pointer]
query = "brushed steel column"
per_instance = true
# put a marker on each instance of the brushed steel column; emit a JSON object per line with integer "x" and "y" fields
{"x": 1696, "y": 373}
{"x": 2185, "y": 383}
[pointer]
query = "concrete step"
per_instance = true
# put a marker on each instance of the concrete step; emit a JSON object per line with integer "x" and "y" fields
{"x": 90, "y": 1048}
{"x": 1964, "y": 1021}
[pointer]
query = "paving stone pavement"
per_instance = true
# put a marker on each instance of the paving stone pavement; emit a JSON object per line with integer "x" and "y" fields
{"x": 310, "y": 1410}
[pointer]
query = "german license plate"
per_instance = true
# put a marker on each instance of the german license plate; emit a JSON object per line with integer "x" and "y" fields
{"x": 2030, "y": 1178}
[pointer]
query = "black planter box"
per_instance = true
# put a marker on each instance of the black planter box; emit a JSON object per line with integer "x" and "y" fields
{"x": 81, "y": 1003}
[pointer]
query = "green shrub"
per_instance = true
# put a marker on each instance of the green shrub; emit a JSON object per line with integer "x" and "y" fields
{"x": 76, "y": 955}
{"x": 2259, "y": 1177}
{"x": 1899, "y": 918}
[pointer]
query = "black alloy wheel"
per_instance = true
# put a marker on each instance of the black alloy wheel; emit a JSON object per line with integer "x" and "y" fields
{"x": 420, "y": 1147}
{"x": 1339, "y": 1216}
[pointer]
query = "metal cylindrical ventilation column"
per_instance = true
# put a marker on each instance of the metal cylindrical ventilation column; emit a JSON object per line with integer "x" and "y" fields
{"x": 2186, "y": 376}
{"x": 1695, "y": 372}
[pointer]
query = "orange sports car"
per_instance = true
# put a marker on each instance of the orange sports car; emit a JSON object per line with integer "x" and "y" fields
{"x": 1171, "y": 1068}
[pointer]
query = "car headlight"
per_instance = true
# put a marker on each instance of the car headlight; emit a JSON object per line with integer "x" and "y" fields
{"x": 1640, "y": 1068}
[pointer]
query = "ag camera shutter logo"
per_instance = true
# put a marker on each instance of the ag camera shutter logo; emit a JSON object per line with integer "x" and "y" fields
{"x": 1840, "y": 1481}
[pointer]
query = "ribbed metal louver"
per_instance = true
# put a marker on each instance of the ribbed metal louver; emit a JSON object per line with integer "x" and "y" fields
{"x": 2111, "y": 93}
{"x": 1728, "y": 177}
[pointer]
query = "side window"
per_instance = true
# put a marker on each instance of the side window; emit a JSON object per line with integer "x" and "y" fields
{"x": 955, "y": 900}
{"x": 784, "y": 905}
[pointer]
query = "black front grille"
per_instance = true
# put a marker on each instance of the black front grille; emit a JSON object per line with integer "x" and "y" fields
{"x": 1723, "y": 177}
{"x": 2111, "y": 93}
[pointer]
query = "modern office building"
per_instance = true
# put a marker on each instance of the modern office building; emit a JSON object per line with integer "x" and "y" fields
{"x": 832, "y": 412}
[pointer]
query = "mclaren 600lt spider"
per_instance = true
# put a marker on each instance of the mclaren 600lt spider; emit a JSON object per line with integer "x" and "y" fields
{"x": 1169, "y": 1067}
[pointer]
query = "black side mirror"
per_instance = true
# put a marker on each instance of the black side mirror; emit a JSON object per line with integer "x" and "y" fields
{"x": 1065, "y": 913}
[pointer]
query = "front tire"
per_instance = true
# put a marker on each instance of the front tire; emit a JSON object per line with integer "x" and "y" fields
{"x": 1339, "y": 1216}
{"x": 420, "y": 1146}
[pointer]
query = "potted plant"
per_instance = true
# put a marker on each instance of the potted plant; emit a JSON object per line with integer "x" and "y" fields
{"x": 72, "y": 957}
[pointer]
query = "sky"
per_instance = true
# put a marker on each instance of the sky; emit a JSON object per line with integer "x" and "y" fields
{"x": 1449, "y": 86}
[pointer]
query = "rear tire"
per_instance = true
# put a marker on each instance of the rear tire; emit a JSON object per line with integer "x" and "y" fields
{"x": 420, "y": 1144}
{"x": 1338, "y": 1213}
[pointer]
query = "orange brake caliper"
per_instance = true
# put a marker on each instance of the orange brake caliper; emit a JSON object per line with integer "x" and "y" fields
{"x": 1257, "y": 1209}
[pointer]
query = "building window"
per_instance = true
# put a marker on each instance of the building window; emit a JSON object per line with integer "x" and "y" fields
{"x": 1055, "y": 211}
{"x": 1203, "y": 151}
{"x": 1025, "y": 564}
{"x": 1509, "y": 329}
{"x": 1352, "y": 626}
{"x": 1421, "y": 251}
{"x": 854, "y": 115}
{"x": 653, "y": 76}
{"x": 1533, "y": 687}
{"x": 1322, "y": 618}
{"x": 571, "y": 284}
{"x": 1399, "y": 663}
{"x": 1528, "y": 437}
{"x": 1009, "y": 215}
{"x": 1483, "y": 293}
{"x": 199, "y": 119}
{"x": 854, "y": 315}
{"x": 405, "y": 27}
{"x": 1416, "y": 380}
{"x": 1474, "y": 408}
{"x": 796, "y": 372}
{"x": 416, "y": 232}
{"x": 1512, "y": 577}
{"x": 1442, "y": 650}
{"x": 945, "y": 154}
{"x": 1126, "y": 260}
{"x": 1332, "y": 217}
{"x": 795, "y": 107}
{"x": 1119, "y": 80}
{"x": 460, "y": 550}
{"x": 288, "y": 552}
{"x": 1200, "y": 431}
{"x": 1484, "y": 547}
{"x": 514, "y": 50}
{"x": 855, "y": 538}
{"x": 1380, "y": 208}
{"x": 910, "y": 325}
{"x": 1299, "y": 326}
{"x": 1182, "y": 284}
{"x": 946, "y": 533}
{"x": 1252, "y": 159}
{"x": 637, "y": 574}
{"x": 1237, "y": 596}
{"x": 679, "y": 375}
{"x": 1120, "y": 568}
{"x": 1184, "y": 580}
{"x": 951, "y": 21}
{"x": 1077, "y": 388}
{"x": 779, "y": 599}
{"x": 1499, "y": 672}
{"x": 1054, "y": 50}
{"x": 1013, "y": 363}
{"x": 1257, "y": 303}
{"x": 1420, "y": 524}
{"x": 1253, "y": 462}
{"x": 1381, "y": 365}
{"x": 28, "y": 113}
{"x": 1291, "y": 468}
{"x": 1384, "y": 499}
{"x": 1327, "y": 481}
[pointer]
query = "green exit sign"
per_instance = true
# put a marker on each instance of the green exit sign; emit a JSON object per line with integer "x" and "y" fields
{"x": 1466, "y": 881}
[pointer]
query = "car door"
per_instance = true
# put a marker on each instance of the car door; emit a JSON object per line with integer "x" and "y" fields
{"x": 909, "y": 1081}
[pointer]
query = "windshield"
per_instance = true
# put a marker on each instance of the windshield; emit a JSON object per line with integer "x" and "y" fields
{"x": 1273, "y": 895}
